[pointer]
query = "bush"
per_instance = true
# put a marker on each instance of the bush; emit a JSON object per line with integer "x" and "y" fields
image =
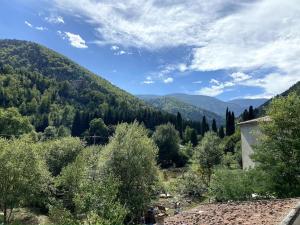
{"x": 230, "y": 185}
{"x": 238, "y": 185}
{"x": 191, "y": 183}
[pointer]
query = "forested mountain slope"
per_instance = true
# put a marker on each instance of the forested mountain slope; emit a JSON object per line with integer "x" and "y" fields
{"x": 188, "y": 111}
{"x": 53, "y": 90}
{"x": 294, "y": 88}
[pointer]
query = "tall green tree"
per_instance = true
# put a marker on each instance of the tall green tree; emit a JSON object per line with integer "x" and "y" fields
{"x": 131, "y": 157}
{"x": 179, "y": 124}
{"x": 23, "y": 175}
{"x": 221, "y": 132}
{"x": 278, "y": 153}
{"x": 208, "y": 154}
{"x": 205, "y": 126}
{"x": 214, "y": 126}
{"x": 89, "y": 191}
{"x": 98, "y": 131}
{"x": 167, "y": 139}
{"x": 13, "y": 123}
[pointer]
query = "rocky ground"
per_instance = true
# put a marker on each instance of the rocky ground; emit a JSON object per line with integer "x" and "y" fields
{"x": 266, "y": 212}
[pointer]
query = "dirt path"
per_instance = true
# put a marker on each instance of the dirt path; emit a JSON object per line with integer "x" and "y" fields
{"x": 267, "y": 212}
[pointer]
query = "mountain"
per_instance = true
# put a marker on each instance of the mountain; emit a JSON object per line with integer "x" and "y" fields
{"x": 245, "y": 103}
{"x": 53, "y": 90}
{"x": 173, "y": 105}
{"x": 209, "y": 103}
{"x": 294, "y": 88}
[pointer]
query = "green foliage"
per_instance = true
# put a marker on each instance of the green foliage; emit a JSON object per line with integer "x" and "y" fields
{"x": 59, "y": 153}
{"x": 23, "y": 174}
{"x": 90, "y": 192}
{"x": 230, "y": 142}
{"x": 230, "y": 123}
{"x": 208, "y": 154}
{"x": 230, "y": 185}
{"x": 192, "y": 182}
{"x": 61, "y": 216}
{"x": 278, "y": 153}
{"x": 99, "y": 129}
{"x": 190, "y": 135}
{"x": 13, "y": 123}
{"x": 239, "y": 185}
{"x": 131, "y": 157}
{"x": 167, "y": 139}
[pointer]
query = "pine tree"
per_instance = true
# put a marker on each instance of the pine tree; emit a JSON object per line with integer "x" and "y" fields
{"x": 205, "y": 126}
{"x": 76, "y": 124}
{"x": 221, "y": 132}
{"x": 227, "y": 122}
{"x": 194, "y": 138}
{"x": 232, "y": 123}
{"x": 214, "y": 126}
{"x": 245, "y": 115}
{"x": 251, "y": 113}
{"x": 179, "y": 124}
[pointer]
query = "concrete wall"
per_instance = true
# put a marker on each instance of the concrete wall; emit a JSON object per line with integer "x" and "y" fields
{"x": 249, "y": 134}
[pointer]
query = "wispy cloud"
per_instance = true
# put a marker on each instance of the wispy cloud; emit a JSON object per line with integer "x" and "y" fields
{"x": 148, "y": 80}
{"x": 239, "y": 36}
{"x": 168, "y": 80}
{"x": 117, "y": 51}
{"x": 74, "y": 39}
{"x": 55, "y": 19}
{"x": 28, "y": 24}
{"x": 40, "y": 28}
{"x": 197, "y": 82}
{"x": 217, "y": 87}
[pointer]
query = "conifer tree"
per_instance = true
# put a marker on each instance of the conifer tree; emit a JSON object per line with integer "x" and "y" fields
{"x": 179, "y": 124}
{"x": 214, "y": 126}
{"x": 221, "y": 132}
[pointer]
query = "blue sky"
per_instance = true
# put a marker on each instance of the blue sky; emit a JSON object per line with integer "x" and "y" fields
{"x": 223, "y": 48}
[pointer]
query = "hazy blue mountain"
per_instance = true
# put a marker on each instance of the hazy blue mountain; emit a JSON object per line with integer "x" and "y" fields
{"x": 188, "y": 111}
{"x": 209, "y": 103}
{"x": 247, "y": 102}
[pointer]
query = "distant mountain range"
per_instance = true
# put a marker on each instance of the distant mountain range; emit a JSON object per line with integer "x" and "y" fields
{"x": 199, "y": 104}
{"x": 188, "y": 111}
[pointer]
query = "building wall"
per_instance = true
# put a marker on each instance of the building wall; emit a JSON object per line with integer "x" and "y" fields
{"x": 249, "y": 134}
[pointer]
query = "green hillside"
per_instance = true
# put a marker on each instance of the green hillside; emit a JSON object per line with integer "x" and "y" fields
{"x": 52, "y": 90}
{"x": 294, "y": 88}
{"x": 188, "y": 111}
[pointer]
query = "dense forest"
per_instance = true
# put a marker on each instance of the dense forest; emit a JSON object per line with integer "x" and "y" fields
{"x": 54, "y": 91}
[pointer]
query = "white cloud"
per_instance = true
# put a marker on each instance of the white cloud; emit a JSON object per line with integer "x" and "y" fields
{"x": 240, "y": 36}
{"x": 122, "y": 52}
{"x": 55, "y": 19}
{"x": 182, "y": 67}
{"x": 214, "y": 81}
{"x": 75, "y": 39}
{"x": 239, "y": 76}
{"x": 41, "y": 28}
{"x": 28, "y": 24}
{"x": 197, "y": 82}
{"x": 33, "y": 27}
{"x": 114, "y": 47}
{"x": 148, "y": 80}
{"x": 168, "y": 80}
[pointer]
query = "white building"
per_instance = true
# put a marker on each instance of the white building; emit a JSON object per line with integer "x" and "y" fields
{"x": 249, "y": 135}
